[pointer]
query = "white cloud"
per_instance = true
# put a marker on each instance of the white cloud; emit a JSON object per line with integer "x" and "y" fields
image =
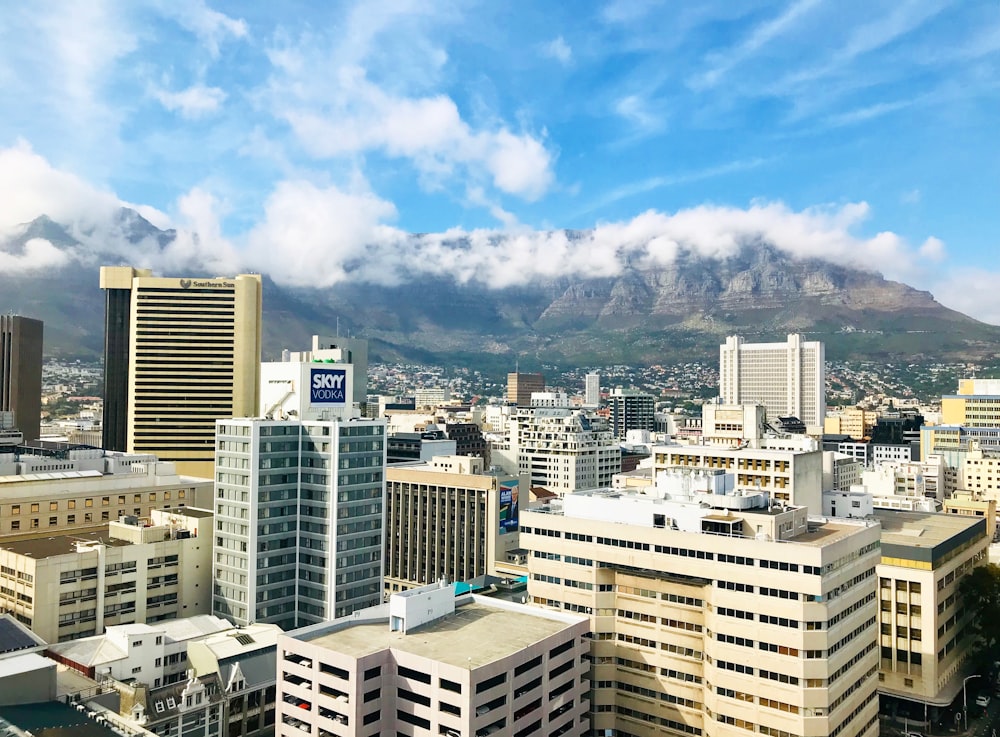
{"x": 210, "y": 26}
{"x": 559, "y": 50}
{"x": 636, "y": 110}
{"x": 38, "y": 254}
{"x": 194, "y": 102}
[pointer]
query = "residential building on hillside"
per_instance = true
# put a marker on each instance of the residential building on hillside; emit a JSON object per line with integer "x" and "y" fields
{"x": 428, "y": 663}
{"x": 21, "y": 372}
{"x": 787, "y": 378}
{"x": 74, "y": 584}
{"x": 712, "y": 611}
{"x": 447, "y": 519}
{"x": 178, "y": 355}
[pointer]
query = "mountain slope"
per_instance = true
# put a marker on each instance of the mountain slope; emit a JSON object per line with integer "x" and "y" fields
{"x": 642, "y": 315}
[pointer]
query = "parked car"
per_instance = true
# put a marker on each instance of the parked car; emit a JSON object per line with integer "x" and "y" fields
{"x": 983, "y": 700}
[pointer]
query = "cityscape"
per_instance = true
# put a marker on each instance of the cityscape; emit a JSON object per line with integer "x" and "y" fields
{"x": 615, "y": 369}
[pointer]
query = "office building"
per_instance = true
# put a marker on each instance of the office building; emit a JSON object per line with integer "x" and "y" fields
{"x": 178, "y": 355}
{"x": 714, "y": 613}
{"x": 630, "y": 410}
{"x": 428, "y": 663}
{"x": 592, "y": 390}
{"x": 78, "y": 489}
{"x": 76, "y": 583}
{"x": 447, "y": 519}
{"x": 520, "y": 387}
{"x": 787, "y": 378}
{"x": 281, "y": 381}
{"x": 789, "y": 476}
{"x": 558, "y": 449}
{"x": 852, "y": 421}
{"x": 924, "y": 639}
{"x": 300, "y": 513}
{"x": 21, "y": 372}
{"x": 731, "y": 425}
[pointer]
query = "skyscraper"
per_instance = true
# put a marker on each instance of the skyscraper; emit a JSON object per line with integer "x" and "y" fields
{"x": 21, "y": 372}
{"x": 178, "y": 355}
{"x": 788, "y": 378}
{"x": 520, "y": 386}
{"x": 631, "y": 410}
{"x": 592, "y": 390}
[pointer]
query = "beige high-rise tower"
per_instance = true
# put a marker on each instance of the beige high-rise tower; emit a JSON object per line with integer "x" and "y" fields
{"x": 179, "y": 354}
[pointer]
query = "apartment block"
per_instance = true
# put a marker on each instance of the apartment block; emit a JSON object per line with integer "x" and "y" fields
{"x": 592, "y": 390}
{"x": 787, "y": 475}
{"x": 854, "y": 422}
{"x": 74, "y": 489}
{"x": 74, "y": 584}
{"x": 924, "y": 638}
{"x": 179, "y": 354}
{"x": 630, "y": 410}
{"x": 714, "y": 614}
{"x": 300, "y": 517}
{"x": 427, "y": 663}
{"x": 448, "y": 519}
{"x": 787, "y": 378}
{"x": 21, "y": 372}
{"x": 557, "y": 448}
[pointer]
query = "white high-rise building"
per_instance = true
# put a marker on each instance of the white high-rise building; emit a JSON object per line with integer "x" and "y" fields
{"x": 592, "y": 390}
{"x": 787, "y": 378}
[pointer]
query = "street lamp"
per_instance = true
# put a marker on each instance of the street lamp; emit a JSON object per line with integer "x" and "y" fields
{"x": 965, "y": 704}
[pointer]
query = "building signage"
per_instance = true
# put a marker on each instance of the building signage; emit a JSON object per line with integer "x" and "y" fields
{"x": 508, "y": 507}
{"x": 327, "y": 386}
{"x": 188, "y": 283}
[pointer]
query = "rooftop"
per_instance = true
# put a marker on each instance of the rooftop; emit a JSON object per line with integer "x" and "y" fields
{"x": 476, "y": 633}
{"x": 64, "y": 544}
{"x": 923, "y": 529}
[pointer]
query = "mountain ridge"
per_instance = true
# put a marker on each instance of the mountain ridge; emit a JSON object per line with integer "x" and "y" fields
{"x": 641, "y": 315}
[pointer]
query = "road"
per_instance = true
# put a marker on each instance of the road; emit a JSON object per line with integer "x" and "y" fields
{"x": 987, "y": 721}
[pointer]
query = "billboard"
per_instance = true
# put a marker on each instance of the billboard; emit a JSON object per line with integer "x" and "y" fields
{"x": 508, "y": 506}
{"x": 327, "y": 386}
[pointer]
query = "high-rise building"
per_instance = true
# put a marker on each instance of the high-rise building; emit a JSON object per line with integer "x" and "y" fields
{"x": 787, "y": 378}
{"x": 447, "y": 519}
{"x": 427, "y": 663}
{"x": 714, "y": 614}
{"x": 21, "y": 372}
{"x": 300, "y": 512}
{"x": 558, "y": 449}
{"x": 520, "y": 387}
{"x": 631, "y": 410}
{"x": 592, "y": 390}
{"x": 179, "y": 354}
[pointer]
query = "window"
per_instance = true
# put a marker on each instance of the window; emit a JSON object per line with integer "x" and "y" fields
{"x": 15, "y": 508}
{"x": 15, "y": 525}
{"x": 71, "y": 504}
{"x": 88, "y": 502}
{"x": 53, "y": 521}
{"x": 53, "y": 506}
{"x": 34, "y": 507}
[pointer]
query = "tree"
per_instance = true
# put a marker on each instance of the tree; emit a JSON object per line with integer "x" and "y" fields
{"x": 980, "y": 596}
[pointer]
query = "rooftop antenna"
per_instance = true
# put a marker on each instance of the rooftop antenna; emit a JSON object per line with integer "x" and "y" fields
{"x": 338, "y": 326}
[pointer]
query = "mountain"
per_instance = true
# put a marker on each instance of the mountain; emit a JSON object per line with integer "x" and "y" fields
{"x": 642, "y": 315}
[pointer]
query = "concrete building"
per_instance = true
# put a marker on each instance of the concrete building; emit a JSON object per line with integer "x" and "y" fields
{"x": 924, "y": 634}
{"x": 714, "y": 612}
{"x": 592, "y": 390}
{"x": 178, "y": 355}
{"x": 431, "y": 396}
{"x": 852, "y": 421}
{"x": 840, "y": 471}
{"x": 447, "y": 519}
{"x": 286, "y": 386}
{"x": 75, "y": 584}
{"x": 520, "y": 387}
{"x": 428, "y": 663}
{"x": 558, "y": 449}
{"x": 630, "y": 410}
{"x": 83, "y": 488}
{"x": 787, "y": 378}
{"x": 789, "y": 476}
{"x": 732, "y": 425}
{"x": 971, "y": 504}
{"x": 26, "y": 677}
{"x": 21, "y": 372}
{"x": 299, "y": 511}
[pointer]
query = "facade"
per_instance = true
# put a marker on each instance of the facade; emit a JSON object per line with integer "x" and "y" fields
{"x": 447, "y": 519}
{"x": 286, "y": 386}
{"x": 631, "y": 410}
{"x": 852, "y": 421}
{"x": 971, "y": 504}
{"x": 521, "y": 386}
{"x": 840, "y": 471}
{"x": 179, "y": 354}
{"x": 75, "y": 584}
{"x": 714, "y": 614}
{"x": 788, "y": 476}
{"x": 732, "y": 425}
{"x": 787, "y": 378}
{"x": 428, "y": 663}
{"x": 592, "y": 390}
{"x": 88, "y": 488}
{"x": 300, "y": 514}
{"x": 924, "y": 638}
{"x": 21, "y": 372}
{"x": 558, "y": 449}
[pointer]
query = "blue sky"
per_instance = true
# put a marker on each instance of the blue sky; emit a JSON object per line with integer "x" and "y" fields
{"x": 289, "y": 134}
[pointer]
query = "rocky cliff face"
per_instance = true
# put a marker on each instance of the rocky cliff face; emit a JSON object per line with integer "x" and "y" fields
{"x": 643, "y": 315}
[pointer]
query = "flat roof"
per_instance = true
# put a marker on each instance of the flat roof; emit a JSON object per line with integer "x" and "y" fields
{"x": 62, "y": 544}
{"x": 926, "y": 536}
{"x": 193, "y": 512}
{"x": 474, "y": 635}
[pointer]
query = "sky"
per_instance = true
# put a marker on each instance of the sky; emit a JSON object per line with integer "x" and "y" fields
{"x": 306, "y": 140}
